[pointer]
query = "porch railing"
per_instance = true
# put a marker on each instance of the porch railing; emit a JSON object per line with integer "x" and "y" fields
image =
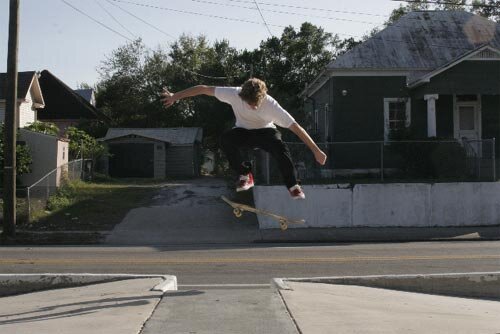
{"x": 388, "y": 161}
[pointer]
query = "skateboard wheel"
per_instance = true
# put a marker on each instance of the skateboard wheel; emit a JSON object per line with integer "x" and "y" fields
{"x": 237, "y": 213}
{"x": 283, "y": 225}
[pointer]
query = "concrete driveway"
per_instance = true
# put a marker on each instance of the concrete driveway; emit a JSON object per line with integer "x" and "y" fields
{"x": 188, "y": 212}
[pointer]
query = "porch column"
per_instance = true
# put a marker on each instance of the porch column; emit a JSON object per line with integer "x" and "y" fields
{"x": 431, "y": 114}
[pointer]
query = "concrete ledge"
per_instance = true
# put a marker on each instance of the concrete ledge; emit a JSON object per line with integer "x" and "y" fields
{"x": 469, "y": 285}
{"x": 12, "y": 284}
{"x": 384, "y": 205}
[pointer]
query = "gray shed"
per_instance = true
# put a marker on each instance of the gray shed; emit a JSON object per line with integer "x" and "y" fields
{"x": 153, "y": 153}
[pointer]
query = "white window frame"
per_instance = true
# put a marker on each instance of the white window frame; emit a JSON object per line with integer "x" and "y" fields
{"x": 387, "y": 102}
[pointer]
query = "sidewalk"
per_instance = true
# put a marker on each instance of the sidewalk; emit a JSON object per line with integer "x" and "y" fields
{"x": 118, "y": 307}
{"x": 328, "y": 308}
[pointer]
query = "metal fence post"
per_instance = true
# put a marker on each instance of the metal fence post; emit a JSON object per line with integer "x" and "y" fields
{"x": 268, "y": 176}
{"x": 493, "y": 155}
{"x": 48, "y": 189}
{"x": 29, "y": 203}
{"x": 382, "y": 161}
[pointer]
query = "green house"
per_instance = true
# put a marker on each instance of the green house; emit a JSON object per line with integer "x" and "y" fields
{"x": 431, "y": 74}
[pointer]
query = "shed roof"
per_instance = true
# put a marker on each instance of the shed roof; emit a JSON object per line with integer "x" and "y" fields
{"x": 174, "y": 136}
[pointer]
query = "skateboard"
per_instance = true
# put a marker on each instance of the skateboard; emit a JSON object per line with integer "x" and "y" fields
{"x": 239, "y": 208}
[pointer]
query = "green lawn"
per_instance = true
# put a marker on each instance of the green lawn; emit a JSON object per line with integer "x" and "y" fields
{"x": 94, "y": 206}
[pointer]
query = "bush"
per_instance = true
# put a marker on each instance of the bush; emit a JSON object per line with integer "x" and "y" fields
{"x": 430, "y": 159}
{"x": 63, "y": 197}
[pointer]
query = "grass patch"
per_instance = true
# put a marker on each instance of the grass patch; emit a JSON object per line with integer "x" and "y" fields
{"x": 82, "y": 206}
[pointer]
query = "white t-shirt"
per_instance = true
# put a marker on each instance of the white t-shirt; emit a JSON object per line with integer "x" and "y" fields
{"x": 266, "y": 115}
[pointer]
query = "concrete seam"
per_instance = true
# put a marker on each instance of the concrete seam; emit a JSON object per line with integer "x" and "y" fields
{"x": 151, "y": 314}
{"x": 296, "y": 325}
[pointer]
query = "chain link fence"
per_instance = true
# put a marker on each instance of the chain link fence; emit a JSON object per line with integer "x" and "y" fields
{"x": 387, "y": 161}
{"x": 38, "y": 194}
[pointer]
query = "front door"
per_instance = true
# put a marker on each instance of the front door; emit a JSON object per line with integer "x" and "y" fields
{"x": 468, "y": 122}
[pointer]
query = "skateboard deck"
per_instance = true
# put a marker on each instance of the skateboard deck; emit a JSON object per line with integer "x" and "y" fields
{"x": 239, "y": 208}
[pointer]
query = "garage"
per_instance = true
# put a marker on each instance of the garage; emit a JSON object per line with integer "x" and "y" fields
{"x": 131, "y": 160}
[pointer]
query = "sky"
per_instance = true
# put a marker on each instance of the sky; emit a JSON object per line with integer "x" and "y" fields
{"x": 56, "y": 37}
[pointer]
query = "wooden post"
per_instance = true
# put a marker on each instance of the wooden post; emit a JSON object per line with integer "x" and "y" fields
{"x": 10, "y": 125}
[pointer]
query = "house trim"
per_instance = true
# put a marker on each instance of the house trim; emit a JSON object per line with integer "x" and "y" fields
{"x": 478, "y": 119}
{"x": 472, "y": 55}
{"x": 388, "y": 100}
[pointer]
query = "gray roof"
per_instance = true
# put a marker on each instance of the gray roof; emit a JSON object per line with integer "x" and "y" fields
{"x": 85, "y": 93}
{"x": 421, "y": 41}
{"x": 174, "y": 136}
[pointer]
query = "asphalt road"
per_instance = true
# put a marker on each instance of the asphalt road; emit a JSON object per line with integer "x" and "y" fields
{"x": 257, "y": 264}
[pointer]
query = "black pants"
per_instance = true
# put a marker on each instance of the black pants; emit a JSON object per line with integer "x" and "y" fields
{"x": 269, "y": 140}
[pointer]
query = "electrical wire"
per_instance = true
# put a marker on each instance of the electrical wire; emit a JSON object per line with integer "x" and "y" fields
{"x": 96, "y": 21}
{"x": 114, "y": 18}
{"x": 142, "y": 20}
{"x": 263, "y": 19}
{"x": 130, "y": 40}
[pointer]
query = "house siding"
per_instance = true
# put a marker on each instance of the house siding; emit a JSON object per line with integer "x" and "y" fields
{"x": 322, "y": 98}
{"x": 180, "y": 161}
{"x": 358, "y": 119}
{"x": 490, "y": 114}
{"x": 363, "y": 118}
{"x": 468, "y": 77}
{"x": 26, "y": 114}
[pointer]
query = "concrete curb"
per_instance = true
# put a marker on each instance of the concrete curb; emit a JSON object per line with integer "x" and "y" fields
{"x": 469, "y": 285}
{"x": 380, "y": 234}
{"x": 12, "y": 284}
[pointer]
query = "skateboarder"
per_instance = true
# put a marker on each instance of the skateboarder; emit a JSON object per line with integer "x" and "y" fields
{"x": 257, "y": 115}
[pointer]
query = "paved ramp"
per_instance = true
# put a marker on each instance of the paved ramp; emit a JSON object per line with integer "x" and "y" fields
{"x": 186, "y": 213}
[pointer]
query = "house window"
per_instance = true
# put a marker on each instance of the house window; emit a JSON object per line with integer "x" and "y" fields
{"x": 397, "y": 115}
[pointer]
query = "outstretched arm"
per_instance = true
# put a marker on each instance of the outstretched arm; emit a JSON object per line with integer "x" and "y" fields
{"x": 319, "y": 155}
{"x": 170, "y": 98}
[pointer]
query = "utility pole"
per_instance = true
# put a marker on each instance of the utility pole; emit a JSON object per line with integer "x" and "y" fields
{"x": 10, "y": 125}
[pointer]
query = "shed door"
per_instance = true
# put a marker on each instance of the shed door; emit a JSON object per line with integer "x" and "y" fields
{"x": 131, "y": 160}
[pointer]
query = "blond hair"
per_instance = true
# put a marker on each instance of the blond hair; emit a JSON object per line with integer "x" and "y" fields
{"x": 253, "y": 91}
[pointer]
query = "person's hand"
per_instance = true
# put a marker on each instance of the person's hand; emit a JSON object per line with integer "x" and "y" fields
{"x": 320, "y": 157}
{"x": 168, "y": 98}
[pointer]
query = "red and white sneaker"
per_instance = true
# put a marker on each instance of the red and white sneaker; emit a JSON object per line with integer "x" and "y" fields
{"x": 296, "y": 192}
{"x": 245, "y": 182}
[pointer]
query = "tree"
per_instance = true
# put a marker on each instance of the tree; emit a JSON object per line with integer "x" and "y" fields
{"x": 132, "y": 77}
{"x": 487, "y": 8}
{"x": 81, "y": 144}
{"x": 23, "y": 156}
{"x": 44, "y": 127}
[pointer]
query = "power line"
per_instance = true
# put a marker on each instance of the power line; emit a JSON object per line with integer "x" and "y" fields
{"x": 114, "y": 18}
{"x": 263, "y": 19}
{"x": 194, "y": 13}
{"x": 284, "y": 12}
{"x": 437, "y": 2}
{"x": 143, "y": 21}
{"x": 96, "y": 21}
{"x": 130, "y": 40}
{"x": 310, "y": 8}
